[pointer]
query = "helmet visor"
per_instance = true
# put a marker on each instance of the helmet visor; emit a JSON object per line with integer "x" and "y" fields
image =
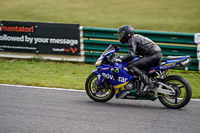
{"x": 121, "y": 35}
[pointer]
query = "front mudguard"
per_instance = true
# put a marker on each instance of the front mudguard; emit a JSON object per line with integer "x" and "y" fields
{"x": 99, "y": 77}
{"x": 96, "y": 72}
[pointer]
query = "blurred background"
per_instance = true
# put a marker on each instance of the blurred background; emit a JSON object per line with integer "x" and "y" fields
{"x": 159, "y": 15}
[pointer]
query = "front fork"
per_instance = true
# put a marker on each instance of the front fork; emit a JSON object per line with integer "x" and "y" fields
{"x": 99, "y": 77}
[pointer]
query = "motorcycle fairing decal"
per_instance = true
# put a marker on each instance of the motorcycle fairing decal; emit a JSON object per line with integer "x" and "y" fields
{"x": 167, "y": 66}
{"x": 120, "y": 85}
{"x": 114, "y": 74}
{"x": 115, "y": 70}
{"x": 111, "y": 77}
{"x": 170, "y": 63}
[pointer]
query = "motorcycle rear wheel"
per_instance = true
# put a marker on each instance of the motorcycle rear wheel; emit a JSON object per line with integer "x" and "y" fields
{"x": 183, "y": 92}
{"x": 98, "y": 94}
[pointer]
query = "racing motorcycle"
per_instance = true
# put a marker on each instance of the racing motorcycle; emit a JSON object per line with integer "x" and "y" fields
{"x": 113, "y": 78}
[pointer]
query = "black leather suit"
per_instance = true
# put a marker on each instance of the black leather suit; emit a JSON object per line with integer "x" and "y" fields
{"x": 151, "y": 55}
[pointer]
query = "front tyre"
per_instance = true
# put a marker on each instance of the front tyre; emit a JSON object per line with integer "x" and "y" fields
{"x": 100, "y": 94}
{"x": 183, "y": 92}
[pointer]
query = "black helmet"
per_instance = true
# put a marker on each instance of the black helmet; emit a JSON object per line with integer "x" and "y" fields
{"x": 124, "y": 33}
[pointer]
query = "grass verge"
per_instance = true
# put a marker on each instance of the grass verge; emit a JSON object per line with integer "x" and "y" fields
{"x": 64, "y": 74}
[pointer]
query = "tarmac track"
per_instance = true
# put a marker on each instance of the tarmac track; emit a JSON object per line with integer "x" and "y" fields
{"x": 25, "y": 109}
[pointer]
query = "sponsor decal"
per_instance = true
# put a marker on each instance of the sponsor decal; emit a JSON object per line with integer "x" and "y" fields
{"x": 167, "y": 66}
{"x": 105, "y": 68}
{"x": 17, "y": 28}
{"x": 119, "y": 79}
{"x": 71, "y": 49}
{"x": 115, "y": 70}
{"x": 152, "y": 71}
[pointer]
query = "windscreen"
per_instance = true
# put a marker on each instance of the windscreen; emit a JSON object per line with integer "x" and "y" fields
{"x": 111, "y": 49}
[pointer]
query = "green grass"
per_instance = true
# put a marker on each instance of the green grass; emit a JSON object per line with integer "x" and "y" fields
{"x": 52, "y": 74}
{"x": 160, "y": 15}
{"x": 63, "y": 74}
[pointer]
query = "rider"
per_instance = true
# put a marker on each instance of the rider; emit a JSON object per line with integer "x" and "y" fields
{"x": 141, "y": 46}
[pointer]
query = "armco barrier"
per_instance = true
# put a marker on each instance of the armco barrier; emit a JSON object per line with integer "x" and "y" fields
{"x": 96, "y": 40}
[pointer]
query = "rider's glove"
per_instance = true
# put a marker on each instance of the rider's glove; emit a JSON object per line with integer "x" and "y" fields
{"x": 118, "y": 61}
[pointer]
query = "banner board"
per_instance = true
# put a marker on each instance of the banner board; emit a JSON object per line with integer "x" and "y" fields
{"x": 41, "y": 38}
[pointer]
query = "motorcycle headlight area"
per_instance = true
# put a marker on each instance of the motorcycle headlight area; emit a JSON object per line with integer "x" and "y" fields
{"x": 98, "y": 63}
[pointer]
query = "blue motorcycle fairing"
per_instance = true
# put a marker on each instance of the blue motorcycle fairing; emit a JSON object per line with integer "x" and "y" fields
{"x": 115, "y": 74}
{"x": 170, "y": 63}
{"x": 96, "y": 72}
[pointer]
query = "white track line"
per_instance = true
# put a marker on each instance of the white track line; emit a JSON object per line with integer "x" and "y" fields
{"x": 60, "y": 89}
{"x": 46, "y": 88}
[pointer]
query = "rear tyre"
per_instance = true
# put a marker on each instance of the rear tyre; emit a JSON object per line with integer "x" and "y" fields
{"x": 99, "y": 94}
{"x": 183, "y": 92}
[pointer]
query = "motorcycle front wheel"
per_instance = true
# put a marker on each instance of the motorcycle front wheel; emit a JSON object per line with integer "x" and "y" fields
{"x": 100, "y": 94}
{"x": 183, "y": 92}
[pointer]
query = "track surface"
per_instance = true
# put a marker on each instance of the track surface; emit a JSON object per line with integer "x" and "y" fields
{"x": 37, "y": 110}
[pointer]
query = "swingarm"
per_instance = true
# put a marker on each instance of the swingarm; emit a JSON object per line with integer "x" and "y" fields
{"x": 164, "y": 89}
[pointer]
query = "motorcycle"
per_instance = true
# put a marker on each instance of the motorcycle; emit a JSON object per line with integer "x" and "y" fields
{"x": 113, "y": 78}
